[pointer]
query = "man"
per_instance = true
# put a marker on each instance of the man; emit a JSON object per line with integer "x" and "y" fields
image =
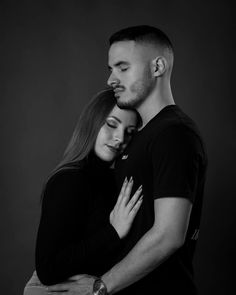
{"x": 167, "y": 157}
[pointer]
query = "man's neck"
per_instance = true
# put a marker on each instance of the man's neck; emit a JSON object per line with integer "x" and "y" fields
{"x": 154, "y": 103}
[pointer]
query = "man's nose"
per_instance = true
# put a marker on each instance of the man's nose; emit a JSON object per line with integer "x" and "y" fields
{"x": 113, "y": 81}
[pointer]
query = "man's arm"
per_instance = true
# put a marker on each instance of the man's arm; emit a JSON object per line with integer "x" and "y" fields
{"x": 163, "y": 239}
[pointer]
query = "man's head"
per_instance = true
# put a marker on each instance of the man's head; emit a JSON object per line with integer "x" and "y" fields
{"x": 139, "y": 58}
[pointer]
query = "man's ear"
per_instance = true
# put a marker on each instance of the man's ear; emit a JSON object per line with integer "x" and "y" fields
{"x": 160, "y": 65}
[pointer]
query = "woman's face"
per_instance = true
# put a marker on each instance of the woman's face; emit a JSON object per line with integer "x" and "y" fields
{"x": 115, "y": 134}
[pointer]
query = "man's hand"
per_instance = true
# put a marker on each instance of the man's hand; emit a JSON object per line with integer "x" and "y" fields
{"x": 76, "y": 285}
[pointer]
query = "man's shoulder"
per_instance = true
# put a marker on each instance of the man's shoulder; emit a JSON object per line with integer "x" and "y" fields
{"x": 172, "y": 119}
{"x": 175, "y": 128}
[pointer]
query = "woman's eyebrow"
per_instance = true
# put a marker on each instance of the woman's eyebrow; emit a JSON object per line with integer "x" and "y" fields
{"x": 117, "y": 119}
{"x": 114, "y": 117}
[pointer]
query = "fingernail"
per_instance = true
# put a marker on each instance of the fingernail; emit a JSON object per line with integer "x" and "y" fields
{"x": 140, "y": 188}
{"x": 126, "y": 179}
{"x": 131, "y": 179}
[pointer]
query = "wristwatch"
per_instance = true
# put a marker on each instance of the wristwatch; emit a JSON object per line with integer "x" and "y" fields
{"x": 99, "y": 288}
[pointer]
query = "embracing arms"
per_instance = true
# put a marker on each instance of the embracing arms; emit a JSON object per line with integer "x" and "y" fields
{"x": 175, "y": 186}
{"x": 162, "y": 240}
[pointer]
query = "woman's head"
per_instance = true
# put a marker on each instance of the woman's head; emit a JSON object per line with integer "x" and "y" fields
{"x": 115, "y": 133}
{"x": 102, "y": 126}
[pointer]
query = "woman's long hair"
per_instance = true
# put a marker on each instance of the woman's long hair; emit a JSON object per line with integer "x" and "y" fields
{"x": 87, "y": 128}
{"x": 85, "y": 133}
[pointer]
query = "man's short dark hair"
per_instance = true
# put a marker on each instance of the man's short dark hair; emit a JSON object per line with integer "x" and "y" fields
{"x": 142, "y": 34}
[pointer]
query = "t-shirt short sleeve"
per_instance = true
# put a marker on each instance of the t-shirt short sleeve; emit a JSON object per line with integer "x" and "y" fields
{"x": 176, "y": 154}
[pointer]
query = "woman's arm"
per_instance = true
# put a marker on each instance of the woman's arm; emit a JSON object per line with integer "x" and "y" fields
{"x": 63, "y": 246}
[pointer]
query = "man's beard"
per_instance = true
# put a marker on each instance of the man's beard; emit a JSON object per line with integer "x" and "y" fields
{"x": 139, "y": 91}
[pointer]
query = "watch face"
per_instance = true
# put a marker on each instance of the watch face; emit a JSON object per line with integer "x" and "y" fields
{"x": 99, "y": 288}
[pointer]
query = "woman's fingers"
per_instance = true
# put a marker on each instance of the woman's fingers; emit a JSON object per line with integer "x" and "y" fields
{"x": 122, "y": 191}
{"x": 134, "y": 199}
{"x": 128, "y": 190}
{"x": 136, "y": 207}
{"x": 126, "y": 208}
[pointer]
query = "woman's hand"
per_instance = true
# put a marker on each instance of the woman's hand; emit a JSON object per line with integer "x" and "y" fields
{"x": 125, "y": 209}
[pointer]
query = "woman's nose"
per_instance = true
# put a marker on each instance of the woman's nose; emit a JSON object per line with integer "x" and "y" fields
{"x": 119, "y": 138}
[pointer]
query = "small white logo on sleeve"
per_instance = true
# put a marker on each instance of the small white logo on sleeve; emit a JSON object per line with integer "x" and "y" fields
{"x": 195, "y": 235}
{"x": 124, "y": 157}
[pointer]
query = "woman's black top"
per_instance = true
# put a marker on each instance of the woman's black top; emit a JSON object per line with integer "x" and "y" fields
{"x": 74, "y": 235}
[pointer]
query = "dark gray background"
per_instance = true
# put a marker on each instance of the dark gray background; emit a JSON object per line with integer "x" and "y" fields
{"x": 53, "y": 57}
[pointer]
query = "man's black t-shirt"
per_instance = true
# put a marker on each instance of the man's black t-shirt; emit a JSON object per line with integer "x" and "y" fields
{"x": 168, "y": 158}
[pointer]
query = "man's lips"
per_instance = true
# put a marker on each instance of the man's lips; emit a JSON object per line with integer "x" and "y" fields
{"x": 118, "y": 89}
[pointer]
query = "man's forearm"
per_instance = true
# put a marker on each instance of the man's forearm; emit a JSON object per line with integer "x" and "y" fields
{"x": 148, "y": 253}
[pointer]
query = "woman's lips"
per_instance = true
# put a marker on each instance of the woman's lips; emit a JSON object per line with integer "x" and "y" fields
{"x": 113, "y": 149}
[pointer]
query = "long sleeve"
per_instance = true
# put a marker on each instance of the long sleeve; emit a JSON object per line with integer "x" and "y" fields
{"x": 64, "y": 245}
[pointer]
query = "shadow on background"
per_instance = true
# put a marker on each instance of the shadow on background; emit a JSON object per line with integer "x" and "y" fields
{"x": 53, "y": 57}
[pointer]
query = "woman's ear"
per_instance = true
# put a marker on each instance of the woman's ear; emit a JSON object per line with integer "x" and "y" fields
{"x": 160, "y": 65}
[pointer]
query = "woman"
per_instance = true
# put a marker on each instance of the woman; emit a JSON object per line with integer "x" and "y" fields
{"x": 80, "y": 229}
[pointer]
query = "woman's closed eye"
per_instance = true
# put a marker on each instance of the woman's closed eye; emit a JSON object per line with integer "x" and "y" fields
{"x": 111, "y": 123}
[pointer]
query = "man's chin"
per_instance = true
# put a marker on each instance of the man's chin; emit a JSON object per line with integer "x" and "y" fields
{"x": 124, "y": 104}
{"x": 122, "y": 101}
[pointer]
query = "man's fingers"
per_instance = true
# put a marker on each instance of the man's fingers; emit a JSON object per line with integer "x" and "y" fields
{"x": 78, "y": 285}
{"x": 63, "y": 293}
{"x": 59, "y": 287}
{"x": 79, "y": 277}
{"x": 57, "y": 293}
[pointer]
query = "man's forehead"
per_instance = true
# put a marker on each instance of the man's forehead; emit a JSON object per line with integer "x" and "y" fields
{"x": 121, "y": 47}
{"x": 130, "y": 51}
{"x": 123, "y": 51}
